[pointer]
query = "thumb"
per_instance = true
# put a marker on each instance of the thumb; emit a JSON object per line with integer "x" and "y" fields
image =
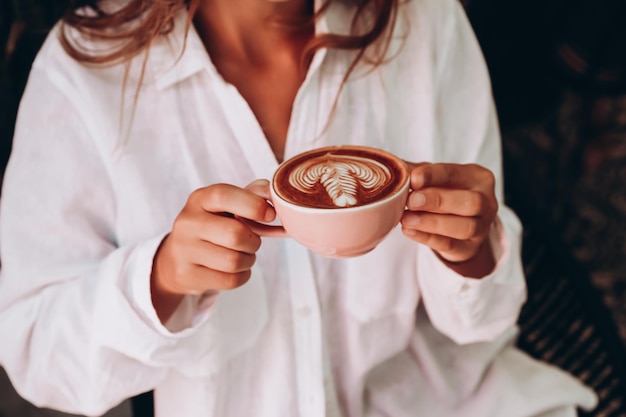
{"x": 260, "y": 187}
{"x": 413, "y": 165}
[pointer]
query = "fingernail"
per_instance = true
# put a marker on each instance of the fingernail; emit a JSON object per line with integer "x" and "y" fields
{"x": 270, "y": 214}
{"x": 417, "y": 199}
{"x": 409, "y": 232}
{"x": 411, "y": 220}
{"x": 417, "y": 180}
{"x": 258, "y": 183}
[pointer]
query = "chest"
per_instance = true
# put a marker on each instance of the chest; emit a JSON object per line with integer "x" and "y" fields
{"x": 270, "y": 94}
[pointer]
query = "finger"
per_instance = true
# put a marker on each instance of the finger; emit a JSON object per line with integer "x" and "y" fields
{"x": 231, "y": 199}
{"x": 413, "y": 165}
{"x": 451, "y": 176}
{"x": 220, "y": 230}
{"x": 453, "y": 250}
{"x": 232, "y": 234}
{"x": 218, "y": 280}
{"x": 198, "y": 279}
{"x": 452, "y": 201}
{"x": 220, "y": 258}
{"x": 260, "y": 187}
{"x": 456, "y": 227}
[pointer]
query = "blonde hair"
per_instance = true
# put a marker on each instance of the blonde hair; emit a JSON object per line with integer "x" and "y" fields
{"x": 134, "y": 27}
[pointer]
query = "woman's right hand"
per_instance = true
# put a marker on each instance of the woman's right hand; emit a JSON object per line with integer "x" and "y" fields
{"x": 208, "y": 247}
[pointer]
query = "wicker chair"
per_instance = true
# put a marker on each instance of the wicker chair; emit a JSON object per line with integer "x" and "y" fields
{"x": 565, "y": 321}
{"x": 566, "y": 324}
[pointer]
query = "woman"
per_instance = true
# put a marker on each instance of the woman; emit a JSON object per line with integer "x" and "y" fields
{"x": 144, "y": 122}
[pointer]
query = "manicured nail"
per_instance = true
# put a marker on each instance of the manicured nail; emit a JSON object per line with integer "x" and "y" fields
{"x": 411, "y": 219}
{"x": 417, "y": 199}
{"x": 270, "y": 213}
{"x": 409, "y": 232}
{"x": 258, "y": 183}
{"x": 417, "y": 180}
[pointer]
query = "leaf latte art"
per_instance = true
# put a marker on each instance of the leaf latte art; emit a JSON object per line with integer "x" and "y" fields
{"x": 344, "y": 177}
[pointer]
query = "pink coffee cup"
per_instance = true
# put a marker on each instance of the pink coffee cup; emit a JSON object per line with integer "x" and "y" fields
{"x": 339, "y": 232}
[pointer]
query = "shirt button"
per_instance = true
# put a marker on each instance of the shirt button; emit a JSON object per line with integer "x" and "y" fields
{"x": 304, "y": 312}
{"x": 464, "y": 288}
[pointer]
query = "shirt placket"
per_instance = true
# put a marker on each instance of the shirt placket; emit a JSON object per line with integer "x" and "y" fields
{"x": 315, "y": 385}
{"x": 315, "y": 388}
{"x": 312, "y": 376}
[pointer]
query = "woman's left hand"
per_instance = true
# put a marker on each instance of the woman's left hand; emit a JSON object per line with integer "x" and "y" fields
{"x": 450, "y": 209}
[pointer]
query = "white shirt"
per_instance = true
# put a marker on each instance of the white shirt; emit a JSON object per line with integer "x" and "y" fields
{"x": 89, "y": 195}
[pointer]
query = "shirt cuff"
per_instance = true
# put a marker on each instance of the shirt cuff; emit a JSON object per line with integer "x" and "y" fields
{"x": 469, "y": 309}
{"x": 466, "y": 288}
{"x": 191, "y": 312}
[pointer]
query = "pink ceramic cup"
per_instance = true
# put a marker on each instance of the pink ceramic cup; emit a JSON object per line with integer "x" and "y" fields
{"x": 339, "y": 232}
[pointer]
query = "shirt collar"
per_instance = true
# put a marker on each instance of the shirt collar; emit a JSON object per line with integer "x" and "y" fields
{"x": 178, "y": 55}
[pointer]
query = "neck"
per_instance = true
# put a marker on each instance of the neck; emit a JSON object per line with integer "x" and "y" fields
{"x": 246, "y": 30}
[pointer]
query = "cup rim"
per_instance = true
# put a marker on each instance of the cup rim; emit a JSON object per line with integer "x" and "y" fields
{"x": 401, "y": 190}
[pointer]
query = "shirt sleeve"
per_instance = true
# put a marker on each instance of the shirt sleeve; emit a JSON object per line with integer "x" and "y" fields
{"x": 465, "y": 309}
{"x": 79, "y": 331}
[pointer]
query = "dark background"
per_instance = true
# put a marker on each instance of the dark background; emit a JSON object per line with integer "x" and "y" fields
{"x": 558, "y": 69}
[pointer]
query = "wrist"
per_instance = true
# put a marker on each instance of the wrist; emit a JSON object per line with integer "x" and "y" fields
{"x": 164, "y": 300}
{"x": 481, "y": 264}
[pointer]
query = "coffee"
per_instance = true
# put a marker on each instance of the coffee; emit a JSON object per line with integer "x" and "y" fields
{"x": 339, "y": 177}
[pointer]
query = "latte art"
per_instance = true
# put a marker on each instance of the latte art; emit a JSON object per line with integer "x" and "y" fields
{"x": 341, "y": 176}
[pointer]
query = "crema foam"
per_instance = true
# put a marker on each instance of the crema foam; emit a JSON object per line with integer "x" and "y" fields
{"x": 338, "y": 177}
